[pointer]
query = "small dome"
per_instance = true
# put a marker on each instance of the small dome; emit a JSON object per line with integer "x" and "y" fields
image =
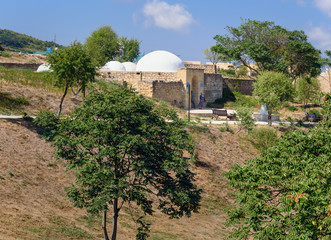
{"x": 159, "y": 61}
{"x": 113, "y": 66}
{"x": 44, "y": 68}
{"x": 129, "y": 66}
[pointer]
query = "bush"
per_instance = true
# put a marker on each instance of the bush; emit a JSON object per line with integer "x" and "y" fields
{"x": 246, "y": 119}
{"x": 48, "y": 123}
{"x": 263, "y": 138}
{"x": 5, "y": 54}
{"x": 244, "y": 100}
{"x": 314, "y": 111}
{"x": 292, "y": 108}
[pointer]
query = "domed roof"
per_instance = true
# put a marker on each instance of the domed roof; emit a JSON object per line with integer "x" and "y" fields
{"x": 129, "y": 66}
{"x": 159, "y": 61}
{"x": 113, "y": 66}
{"x": 44, "y": 68}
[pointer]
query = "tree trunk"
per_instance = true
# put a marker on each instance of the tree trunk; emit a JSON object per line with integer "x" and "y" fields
{"x": 62, "y": 99}
{"x": 115, "y": 217}
{"x": 104, "y": 225}
{"x": 269, "y": 119}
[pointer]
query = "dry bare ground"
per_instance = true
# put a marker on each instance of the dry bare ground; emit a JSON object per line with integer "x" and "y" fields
{"x": 33, "y": 204}
{"x": 23, "y": 58}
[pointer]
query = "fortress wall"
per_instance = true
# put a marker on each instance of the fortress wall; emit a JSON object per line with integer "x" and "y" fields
{"x": 207, "y": 68}
{"x": 172, "y": 92}
{"x": 243, "y": 86}
{"x": 325, "y": 81}
{"x": 213, "y": 85}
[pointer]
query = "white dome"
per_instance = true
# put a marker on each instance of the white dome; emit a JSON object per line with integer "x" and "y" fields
{"x": 129, "y": 66}
{"x": 44, "y": 68}
{"x": 159, "y": 61}
{"x": 113, "y": 66}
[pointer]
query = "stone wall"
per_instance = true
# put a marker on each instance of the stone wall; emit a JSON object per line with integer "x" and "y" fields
{"x": 172, "y": 92}
{"x": 243, "y": 86}
{"x": 325, "y": 81}
{"x": 32, "y": 66}
{"x": 207, "y": 68}
{"x": 213, "y": 86}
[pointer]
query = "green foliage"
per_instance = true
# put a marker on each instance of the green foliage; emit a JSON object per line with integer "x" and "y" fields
{"x": 102, "y": 45}
{"x": 73, "y": 68}
{"x": 263, "y": 138}
{"x": 327, "y": 106}
{"x": 314, "y": 111}
{"x": 244, "y": 101}
{"x": 5, "y": 54}
{"x": 271, "y": 47}
{"x": 292, "y": 108}
{"x": 1, "y": 48}
{"x": 47, "y": 123}
{"x": 43, "y": 80}
{"x": 123, "y": 150}
{"x": 241, "y": 71}
{"x": 228, "y": 72}
{"x": 273, "y": 89}
{"x": 129, "y": 50}
{"x": 246, "y": 119}
{"x": 307, "y": 89}
{"x": 285, "y": 193}
{"x": 22, "y": 42}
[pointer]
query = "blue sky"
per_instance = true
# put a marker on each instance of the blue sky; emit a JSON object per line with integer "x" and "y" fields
{"x": 184, "y": 27}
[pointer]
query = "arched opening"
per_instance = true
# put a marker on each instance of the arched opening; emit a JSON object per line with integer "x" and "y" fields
{"x": 194, "y": 92}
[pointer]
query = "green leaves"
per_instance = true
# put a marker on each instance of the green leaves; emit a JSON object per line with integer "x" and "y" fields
{"x": 285, "y": 193}
{"x": 270, "y": 47}
{"x": 122, "y": 148}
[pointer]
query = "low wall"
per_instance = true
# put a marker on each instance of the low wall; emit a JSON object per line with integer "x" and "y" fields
{"x": 243, "y": 86}
{"x": 32, "y": 66}
{"x": 172, "y": 92}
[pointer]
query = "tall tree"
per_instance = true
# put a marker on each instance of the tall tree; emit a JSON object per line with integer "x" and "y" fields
{"x": 213, "y": 56}
{"x": 285, "y": 193}
{"x": 123, "y": 151}
{"x": 128, "y": 49}
{"x": 102, "y": 45}
{"x": 307, "y": 89}
{"x": 264, "y": 46}
{"x": 273, "y": 88}
{"x": 73, "y": 68}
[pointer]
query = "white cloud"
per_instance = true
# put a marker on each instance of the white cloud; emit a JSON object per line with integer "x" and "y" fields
{"x": 170, "y": 17}
{"x": 324, "y": 6}
{"x": 321, "y": 36}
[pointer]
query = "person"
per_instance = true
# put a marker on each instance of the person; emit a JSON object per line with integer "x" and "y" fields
{"x": 192, "y": 100}
{"x": 202, "y": 100}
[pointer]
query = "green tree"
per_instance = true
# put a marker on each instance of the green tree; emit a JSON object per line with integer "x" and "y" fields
{"x": 285, "y": 193}
{"x": 73, "y": 68}
{"x": 264, "y": 46}
{"x": 307, "y": 89}
{"x": 213, "y": 56}
{"x": 129, "y": 49}
{"x": 123, "y": 151}
{"x": 273, "y": 89}
{"x": 102, "y": 45}
{"x": 246, "y": 119}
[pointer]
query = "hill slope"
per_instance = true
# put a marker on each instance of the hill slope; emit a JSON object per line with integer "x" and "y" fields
{"x": 17, "y": 41}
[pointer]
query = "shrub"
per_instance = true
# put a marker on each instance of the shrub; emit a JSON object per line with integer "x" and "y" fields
{"x": 263, "y": 138}
{"x": 292, "y": 108}
{"x": 5, "y": 54}
{"x": 246, "y": 119}
{"x": 314, "y": 111}
{"x": 48, "y": 123}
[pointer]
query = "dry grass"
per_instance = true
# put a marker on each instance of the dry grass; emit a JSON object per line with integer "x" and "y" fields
{"x": 33, "y": 204}
{"x": 23, "y": 58}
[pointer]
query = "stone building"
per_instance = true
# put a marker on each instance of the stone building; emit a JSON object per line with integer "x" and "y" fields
{"x": 163, "y": 75}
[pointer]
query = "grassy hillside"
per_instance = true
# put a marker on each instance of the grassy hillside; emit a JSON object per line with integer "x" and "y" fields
{"x": 33, "y": 204}
{"x": 21, "y": 42}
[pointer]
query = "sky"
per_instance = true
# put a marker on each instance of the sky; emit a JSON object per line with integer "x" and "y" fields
{"x": 183, "y": 27}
